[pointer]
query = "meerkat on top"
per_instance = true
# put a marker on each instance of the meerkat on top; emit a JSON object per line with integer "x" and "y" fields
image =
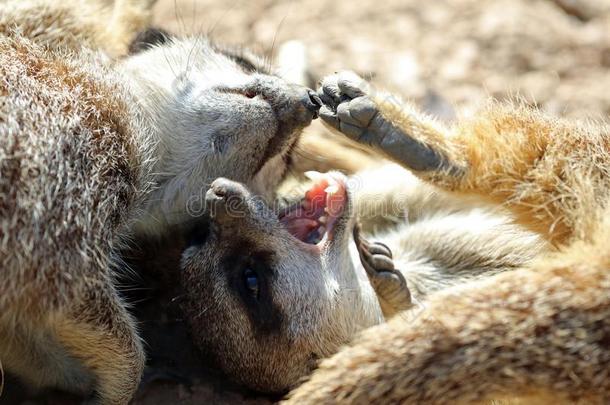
{"x": 108, "y": 25}
{"x": 270, "y": 292}
{"x": 540, "y": 333}
{"x": 94, "y": 151}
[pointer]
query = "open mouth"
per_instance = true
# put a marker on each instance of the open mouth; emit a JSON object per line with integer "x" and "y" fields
{"x": 313, "y": 219}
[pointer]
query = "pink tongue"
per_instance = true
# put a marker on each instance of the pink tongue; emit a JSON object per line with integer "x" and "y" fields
{"x": 316, "y": 196}
{"x": 302, "y": 221}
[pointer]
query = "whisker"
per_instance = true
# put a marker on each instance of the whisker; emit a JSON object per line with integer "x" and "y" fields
{"x": 202, "y": 312}
{"x": 231, "y": 8}
{"x": 275, "y": 35}
{"x": 194, "y": 14}
{"x": 163, "y": 49}
{"x": 196, "y": 43}
{"x": 179, "y": 18}
{"x": 178, "y": 297}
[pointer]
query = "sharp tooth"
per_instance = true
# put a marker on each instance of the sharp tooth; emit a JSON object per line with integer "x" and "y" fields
{"x": 323, "y": 219}
{"x": 321, "y": 230}
{"x": 313, "y": 175}
{"x": 332, "y": 189}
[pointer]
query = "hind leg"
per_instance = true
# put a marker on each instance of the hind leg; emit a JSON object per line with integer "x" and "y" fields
{"x": 30, "y": 351}
{"x": 91, "y": 347}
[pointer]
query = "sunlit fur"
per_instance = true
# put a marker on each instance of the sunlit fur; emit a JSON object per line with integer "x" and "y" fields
{"x": 97, "y": 151}
{"x": 204, "y": 132}
{"x": 439, "y": 241}
{"x": 540, "y": 333}
{"x": 97, "y": 24}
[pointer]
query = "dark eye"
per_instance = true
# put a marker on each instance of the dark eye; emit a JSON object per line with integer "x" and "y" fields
{"x": 251, "y": 282}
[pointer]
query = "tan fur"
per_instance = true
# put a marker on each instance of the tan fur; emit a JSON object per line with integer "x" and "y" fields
{"x": 53, "y": 260}
{"x": 315, "y": 298}
{"x": 60, "y": 213}
{"x": 95, "y": 152}
{"x": 540, "y": 333}
{"x": 75, "y": 24}
{"x": 322, "y": 151}
{"x": 542, "y": 167}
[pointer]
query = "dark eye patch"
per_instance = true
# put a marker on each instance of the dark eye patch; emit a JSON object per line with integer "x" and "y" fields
{"x": 246, "y": 63}
{"x": 147, "y": 39}
{"x": 265, "y": 316}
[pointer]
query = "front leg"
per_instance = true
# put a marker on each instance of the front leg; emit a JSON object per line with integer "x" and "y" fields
{"x": 387, "y": 282}
{"x": 510, "y": 155}
{"x": 375, "y": 119}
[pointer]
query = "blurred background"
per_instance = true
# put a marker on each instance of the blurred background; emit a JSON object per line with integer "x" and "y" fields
{"x": 555, "y": 53}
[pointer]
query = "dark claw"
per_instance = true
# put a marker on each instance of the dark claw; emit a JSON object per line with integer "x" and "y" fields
{"x": 312, "y": 102}
{"x": 389, "y": 284}
{"x": 378, "y": 248}
{"x": 375, "y": 257}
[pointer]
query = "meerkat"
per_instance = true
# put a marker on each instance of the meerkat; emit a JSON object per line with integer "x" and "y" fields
{"x": 74, "y": 24}
{"x": 540, "y": 333}
{"x": 271, "y": 290}
{"x": 96, "y": 152}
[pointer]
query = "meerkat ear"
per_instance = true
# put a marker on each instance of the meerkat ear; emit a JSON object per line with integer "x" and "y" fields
{"x": 147, "y": 39}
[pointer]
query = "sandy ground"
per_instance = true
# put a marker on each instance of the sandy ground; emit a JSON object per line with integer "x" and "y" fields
{"x": 553, "y": 53}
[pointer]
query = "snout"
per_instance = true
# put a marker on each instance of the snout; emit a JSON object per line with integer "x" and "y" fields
{"x": 295, "y": 105}
{"x": 312, "y": 102}
{"x": 234, "y": 208}
{"x": 298, "y": 105}
{"x": 226, "y": 199}
{"x": 306, "y": 103}
{"x": 225, "y": 189}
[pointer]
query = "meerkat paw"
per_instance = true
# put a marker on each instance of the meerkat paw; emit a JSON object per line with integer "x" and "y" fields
{"x": 387, "y": 282}
{"x": 353, "y": 107}
{"x": 348, "y": 107}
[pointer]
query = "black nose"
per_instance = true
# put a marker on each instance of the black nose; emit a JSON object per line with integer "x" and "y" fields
{"x": 312, "y": 102}
{"x": 226, "y": 201}
{"x": 225, "y": 189}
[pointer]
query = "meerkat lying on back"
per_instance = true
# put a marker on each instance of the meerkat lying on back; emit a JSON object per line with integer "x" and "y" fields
{"x": 540, "y": 333}
{"x": 268, "y": 293}
{"x": 95, "y": 153}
